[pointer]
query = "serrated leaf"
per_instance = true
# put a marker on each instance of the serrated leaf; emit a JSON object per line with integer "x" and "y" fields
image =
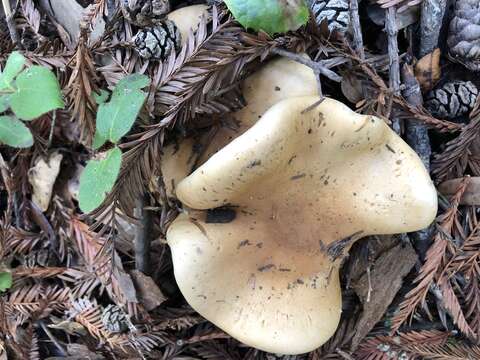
{"x": 14, "y": 65}
{"x": 14, "y": 133}
{"x": 116, "y": 118}
{"x": 271, "y": 16}
{"x": 38, "y": 92}
{"x": 98, "y": 141}
{"x": 98, "y": 178}
{"x": 6, "y": 280}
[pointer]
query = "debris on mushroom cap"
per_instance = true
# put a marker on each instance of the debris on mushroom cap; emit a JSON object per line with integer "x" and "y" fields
{"x": 276, "y": 80}
{"x": 188, "y": 18}
{"x": 297, "y": 183}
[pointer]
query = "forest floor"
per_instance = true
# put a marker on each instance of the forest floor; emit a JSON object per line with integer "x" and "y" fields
{"x": 77, "y": 290}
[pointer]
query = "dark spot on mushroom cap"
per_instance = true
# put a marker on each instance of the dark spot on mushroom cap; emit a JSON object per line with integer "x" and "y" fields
{"x": 389, "y": 148}
{"x": 221, "y": 215}
{"x": 266, "y": 267}
{"x": 243, "y": 243}
{"x": 296, "y": 177}
{"x": 253, "y": 163}
{"x": 277, "y": 88}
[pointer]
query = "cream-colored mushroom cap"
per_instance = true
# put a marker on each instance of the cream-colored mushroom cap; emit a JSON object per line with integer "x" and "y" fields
{"x": 276, "y": 80}
{"x": 187, "y": 18}
{"x": 297, "y": 182}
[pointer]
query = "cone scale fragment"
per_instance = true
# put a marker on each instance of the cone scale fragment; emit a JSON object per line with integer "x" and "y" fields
{"x": 297, "y": 183}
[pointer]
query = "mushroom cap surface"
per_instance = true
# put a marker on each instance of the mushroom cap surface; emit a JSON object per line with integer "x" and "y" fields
{"x": 297, "y": 183}
{"x": 276, "y": 80}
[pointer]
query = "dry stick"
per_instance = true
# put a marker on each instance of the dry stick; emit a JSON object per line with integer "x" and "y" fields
{"x": 357, "y": 29}
{"x": 394, "y": 71}
{"x": 10, "y": 22}
{"x": 143, "y": 237}
{"x": 52, "y": 128}
{"x": 417, "y": 137}
{"x": 417, "y": 132}
{"x": 430, "y": 24}
{"x": 316, "y": 66}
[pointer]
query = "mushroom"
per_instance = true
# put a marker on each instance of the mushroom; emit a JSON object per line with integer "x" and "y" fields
{"x": 258, "y": 252}
{"x": 276, "y": 80}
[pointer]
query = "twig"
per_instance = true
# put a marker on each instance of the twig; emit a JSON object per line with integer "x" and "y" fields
{"x": 52, "y": 128}
{"x": 394, "y": 71}
{"x": 416, "y": 132}
{"x": 316, "y": 66}
{"x": 10, "y": 22}
{"x": 357, "y": 29}
{"x": 430, "y": 24}
{"x": 319, "y": 85}
{"x": 143, "y": 237}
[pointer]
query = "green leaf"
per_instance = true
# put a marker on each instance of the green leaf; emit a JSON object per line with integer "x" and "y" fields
{"x": 98, "y": 141}
{"x": 14, "y": 133}
{"x": 4, "y": 102}
{"x": 116, "y": 118}
{"x": 271, "y": 16}
{"x": 6, "y": 280}
{"x": 102, "y": 97}
{"x": 38, "y": 92}
{"x": 132, "y": 81}
{"x": 15, "y": 63}
{"x": 98, "y": 178}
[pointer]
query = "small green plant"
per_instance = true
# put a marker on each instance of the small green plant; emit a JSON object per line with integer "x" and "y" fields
{"x": 6, "y": 280}
{"x": 271, "y": 16}
{"x": 25, "y": 94}
{"x": 115, "y": 118}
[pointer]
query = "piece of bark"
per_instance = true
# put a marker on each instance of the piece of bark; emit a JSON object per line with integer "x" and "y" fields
{"x": 430, "y": 24}
{"x": 42, "y": 177}
{"x": 385, "y": 280}
{"x": 148, "y": 292}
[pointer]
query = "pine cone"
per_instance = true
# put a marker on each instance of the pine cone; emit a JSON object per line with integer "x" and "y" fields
{"x": 464, "y": 34}
{"x": 451, "y": 100}
{"x": 158, "y": 42}
{"x": 145, "y": 12}
{"x": 114, "y": 319}
{"x": 334, "y": 11}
